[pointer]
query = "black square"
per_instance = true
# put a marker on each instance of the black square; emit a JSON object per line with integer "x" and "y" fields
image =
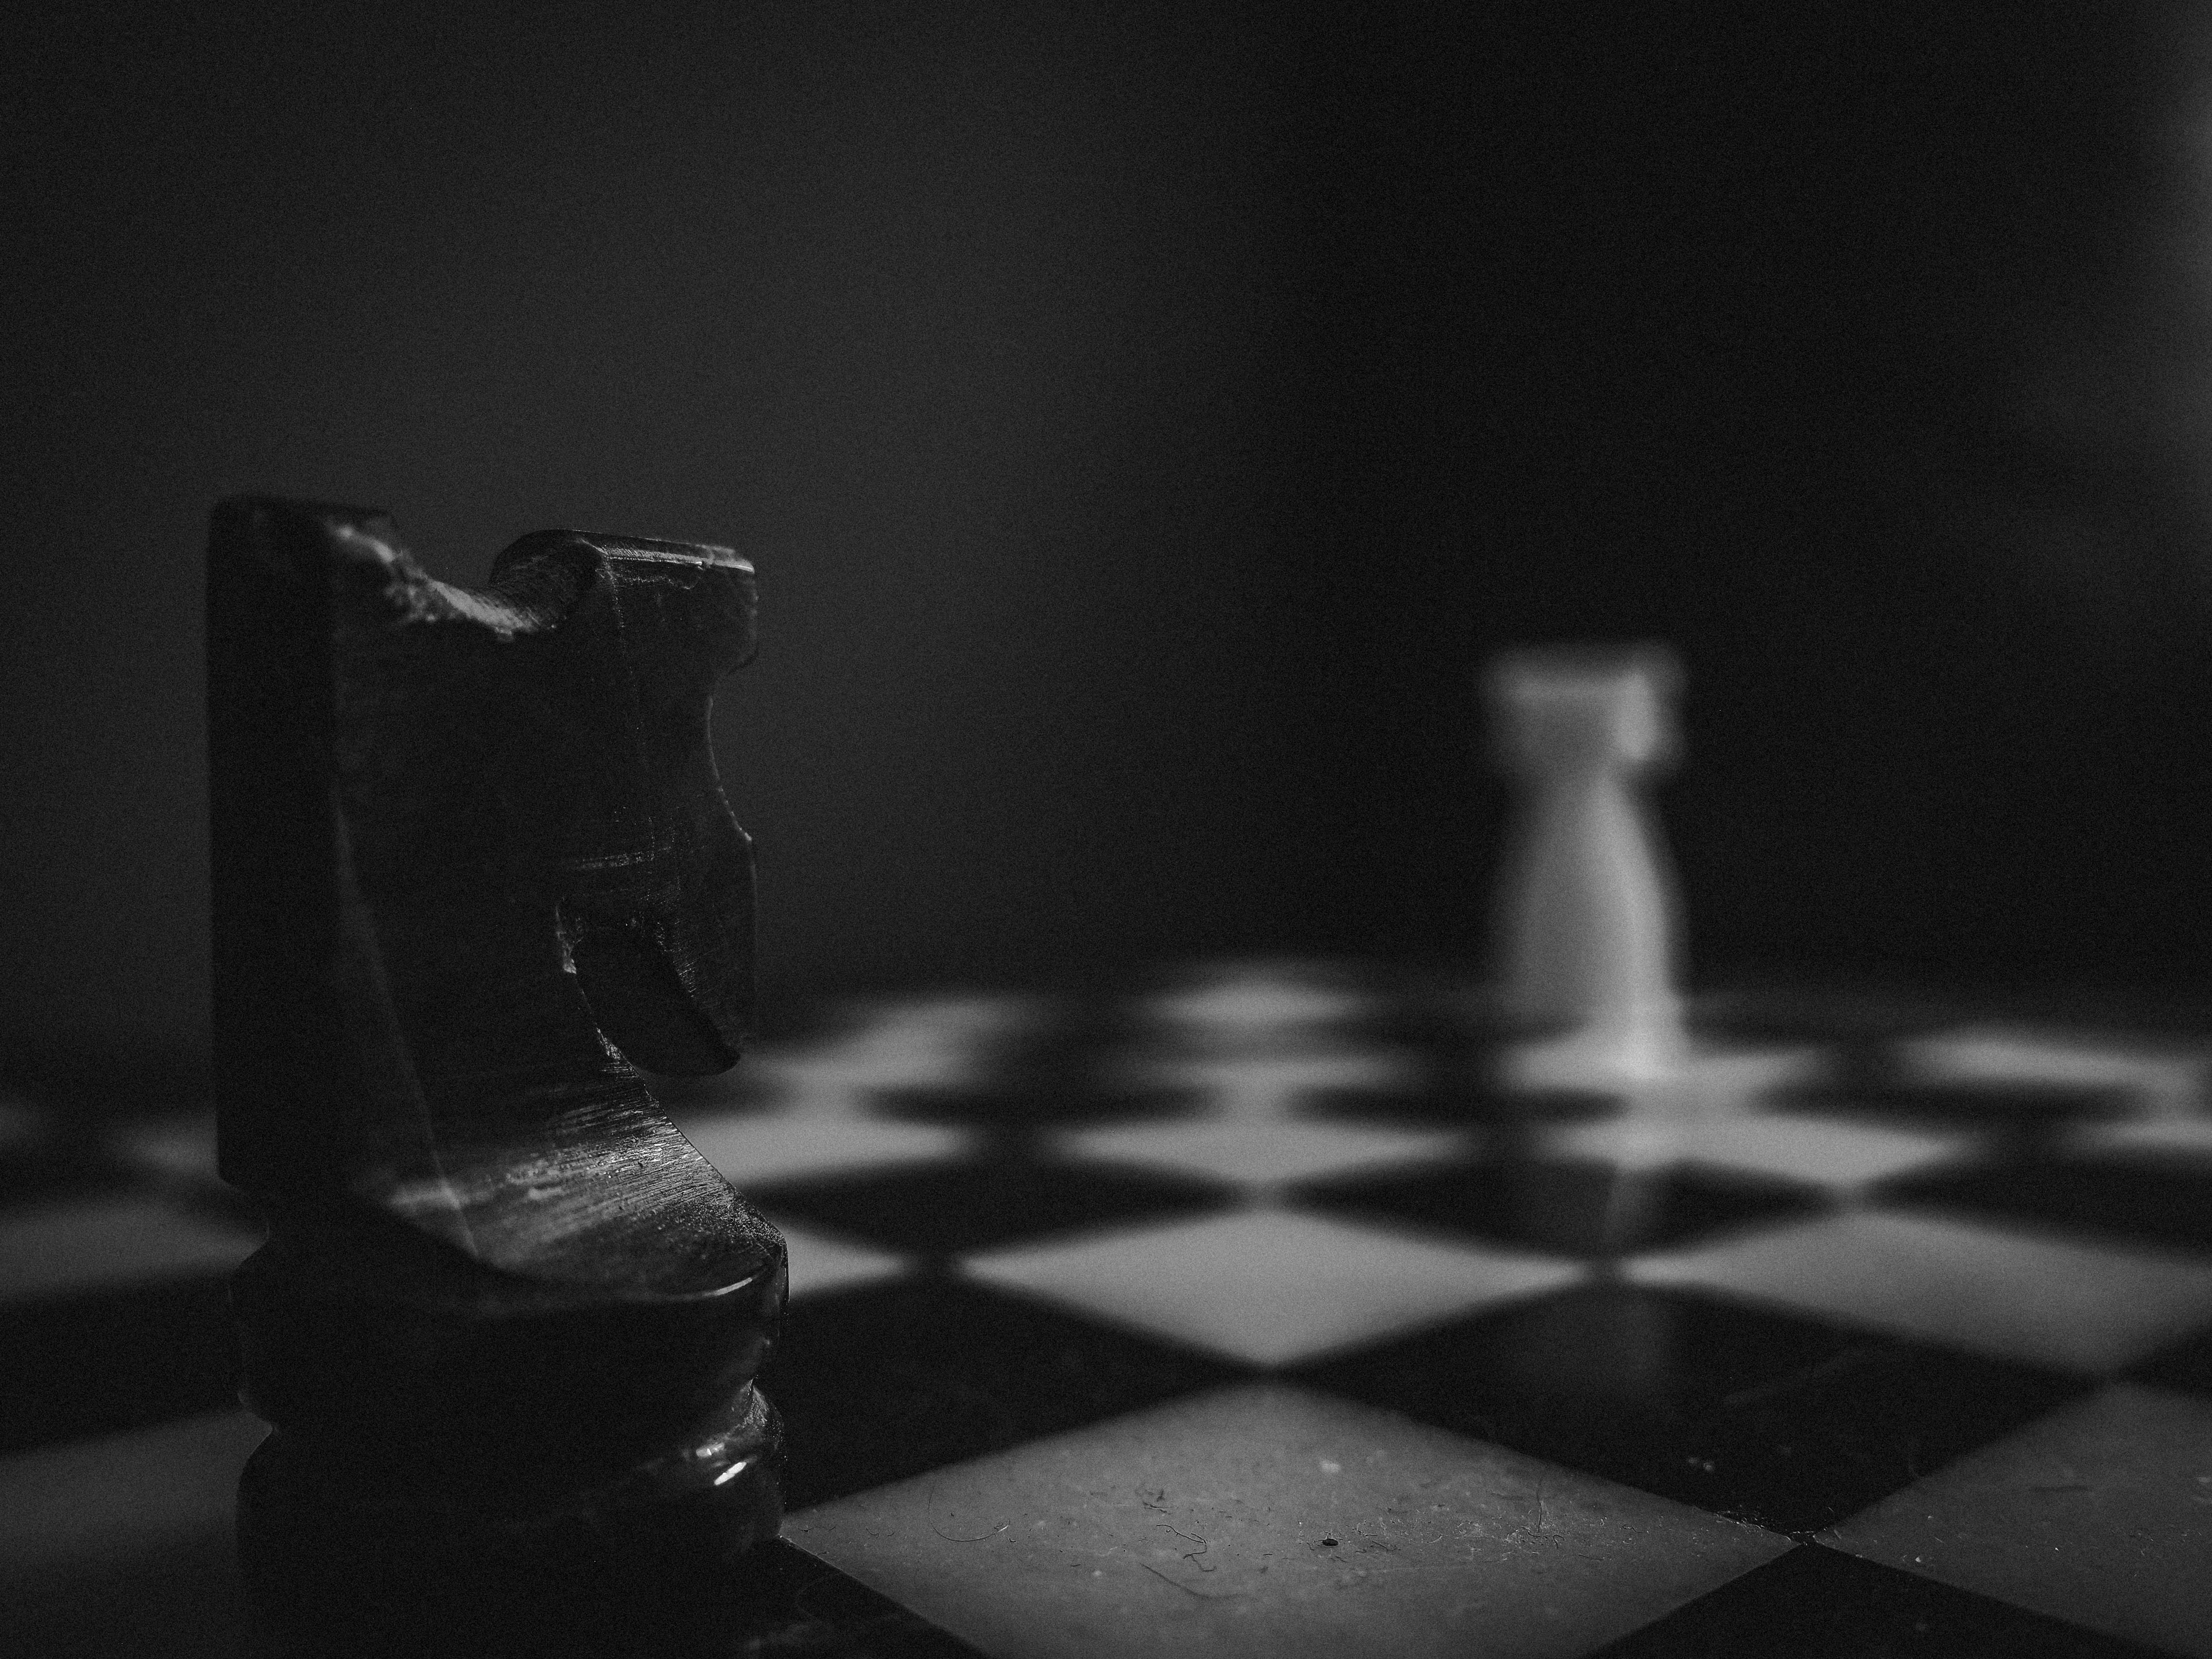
{"x": 892, "y": 1380}
{"x": 119, "y": 1359}
{"x": 1580, "y": 1207}
{"x": 1464, "y": 1103}
{"x": 2126, "y": 1198}
{"x": 50, "y": 1160}
{"x": 1816, "y": 1603}
{"x": 950, "y": 1209}
{"x": 2185, "y": 1366}
{"x": 1859, "y": 1019}
{"x": 2014, "y": 1110}
{"x": 790, "y": 1603}
{"x": 1784, "y": 1421}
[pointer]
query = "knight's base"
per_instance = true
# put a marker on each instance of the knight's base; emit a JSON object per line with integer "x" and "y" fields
{"x": 358, "y": 1549}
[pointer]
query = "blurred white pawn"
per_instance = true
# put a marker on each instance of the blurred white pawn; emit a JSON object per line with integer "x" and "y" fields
{"x": 1587, "y": 918}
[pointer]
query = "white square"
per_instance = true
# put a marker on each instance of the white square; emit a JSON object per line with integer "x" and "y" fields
{"x": 1234, "y": 1004}
{"x": 1261, "y": 1522}
{"x": 1726, "y": 1076}
{"x": 2168, "y": 1079}
{"x": 821, "y": 1262}
{"x": 1833, "y": 1153}
{"x": 2099, "y": 1513}
{"x": 179, "y": 1149}
{"x": 925, "y": 1044}
{"x": 1985, "y": 1289}
{"x": 2180, "y": 1143}
{"x": 754, "y": 1149}
{"x": 1836, "y": 1154}
{"x": 1699, "y": 1080}
{"x": 1268, "y": 1286}
{"x": 1261, "y": 1156}
{"x": 65, "y": 1246}
{"x": 1273, "y": 1083}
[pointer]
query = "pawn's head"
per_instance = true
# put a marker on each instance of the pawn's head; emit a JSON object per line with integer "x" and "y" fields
{"x": 1568, "y": 705}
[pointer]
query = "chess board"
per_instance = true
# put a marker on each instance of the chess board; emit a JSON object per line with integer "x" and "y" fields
{"x": 1241, "y": 1310}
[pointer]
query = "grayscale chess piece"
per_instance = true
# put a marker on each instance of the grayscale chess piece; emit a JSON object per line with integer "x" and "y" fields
{"x": 472, "y": 875}
{"x": 1587, "y": 920}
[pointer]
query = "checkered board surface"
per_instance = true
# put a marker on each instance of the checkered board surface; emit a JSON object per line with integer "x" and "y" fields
{"x": 1241, "y": 1313}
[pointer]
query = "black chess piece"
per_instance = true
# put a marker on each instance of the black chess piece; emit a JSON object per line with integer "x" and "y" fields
{"x": 473, "y": 870}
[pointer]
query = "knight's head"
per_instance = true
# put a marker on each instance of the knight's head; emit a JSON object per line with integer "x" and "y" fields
{"x": 543, "y": 742}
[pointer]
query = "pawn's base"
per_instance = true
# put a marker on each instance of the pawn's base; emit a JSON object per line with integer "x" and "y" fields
{"x": 1607, "y": 1056}
{"x": 357, "y": 1549}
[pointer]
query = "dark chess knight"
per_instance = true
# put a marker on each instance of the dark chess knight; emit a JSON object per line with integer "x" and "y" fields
{"x": 472, "y": 868}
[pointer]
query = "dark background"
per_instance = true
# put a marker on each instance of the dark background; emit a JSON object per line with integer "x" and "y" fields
{"x": 1145, "y": 419}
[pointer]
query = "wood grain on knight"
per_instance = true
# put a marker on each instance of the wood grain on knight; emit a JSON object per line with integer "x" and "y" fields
{"x": 473, "y": 870}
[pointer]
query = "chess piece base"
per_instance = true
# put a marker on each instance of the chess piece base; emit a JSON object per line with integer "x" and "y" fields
{"x": 1643, "y": 1045}
{"x": 357, "y": 1548}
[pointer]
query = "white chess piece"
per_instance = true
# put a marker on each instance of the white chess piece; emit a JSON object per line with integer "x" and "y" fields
{"x": 1587, "y": 921}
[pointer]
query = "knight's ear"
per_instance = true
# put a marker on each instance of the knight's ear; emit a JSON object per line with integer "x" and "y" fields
{"x": 695, "y": 601}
